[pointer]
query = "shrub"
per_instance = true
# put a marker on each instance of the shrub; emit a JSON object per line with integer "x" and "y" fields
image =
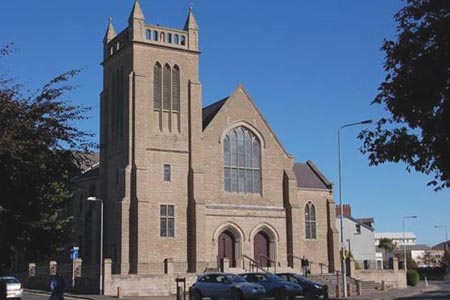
{"x": 412, "y": 277}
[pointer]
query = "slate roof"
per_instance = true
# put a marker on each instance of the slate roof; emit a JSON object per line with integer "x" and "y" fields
{"x": 357, "y": 222}
{"x": 309, "y": 176}
{"x": 441, "y": 246}
{"x": 209, "y": 112}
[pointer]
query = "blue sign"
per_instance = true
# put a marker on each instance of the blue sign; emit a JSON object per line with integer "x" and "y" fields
{"x": 74, "y": 253}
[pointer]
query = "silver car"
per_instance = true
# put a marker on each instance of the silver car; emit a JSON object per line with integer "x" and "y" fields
{"x": 13, "y": 287}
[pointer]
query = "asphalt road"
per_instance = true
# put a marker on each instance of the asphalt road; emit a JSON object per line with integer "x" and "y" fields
{"x": 442, "y": 294}
{"x": 30, "y": 296}
{"x": 35, "y": 296}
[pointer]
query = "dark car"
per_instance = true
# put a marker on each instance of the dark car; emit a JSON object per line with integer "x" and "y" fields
{"x": 311, "y": 289}
{"x": 224, "y": 285}
{"x": 275, "y": 286}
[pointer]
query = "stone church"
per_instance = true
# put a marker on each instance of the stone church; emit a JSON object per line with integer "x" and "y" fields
{"x": 197, "y": 185}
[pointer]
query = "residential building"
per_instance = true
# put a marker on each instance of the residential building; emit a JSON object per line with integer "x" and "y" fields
{"x": 397, "y": 238}
{"x": 359, "y": 236}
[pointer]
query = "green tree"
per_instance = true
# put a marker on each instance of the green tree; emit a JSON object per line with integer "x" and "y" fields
{"x": 416, "y": 94}
{"x": 39, "y": 150}
{"x": 386, "y": 244}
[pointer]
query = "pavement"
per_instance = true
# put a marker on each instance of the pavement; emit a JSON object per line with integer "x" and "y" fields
{"x": 376, "y": 295}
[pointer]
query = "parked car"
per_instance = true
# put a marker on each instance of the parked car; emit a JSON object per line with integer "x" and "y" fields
{"x": 224, "y": 285}
{"x": 311, "y": 289}
{"x": 13, "y": 287}
{"x": 275, "y": 286}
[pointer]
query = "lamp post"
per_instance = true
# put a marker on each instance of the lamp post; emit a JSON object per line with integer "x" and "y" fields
{"x": 343, "y": 267}
{"x": 446, "y": 235}
{"x": 95, "y": 199}
{"x": 404, "y": 241}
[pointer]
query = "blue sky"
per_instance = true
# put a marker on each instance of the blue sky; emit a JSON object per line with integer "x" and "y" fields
{"x": 311, "y": 66}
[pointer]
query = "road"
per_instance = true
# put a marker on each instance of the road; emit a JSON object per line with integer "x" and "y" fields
{"x": 443, "y": 293}
{"x": 35, "y": 296}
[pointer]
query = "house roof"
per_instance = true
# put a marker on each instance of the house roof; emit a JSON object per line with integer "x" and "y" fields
{"x": 441, "y": 246}
{"x": 420, "y": 247}
{"x": 210, "y": 111}
{"x": 394, "y": 235}
{"x": 357, "y": 221}
{"x": 309, "y": 176}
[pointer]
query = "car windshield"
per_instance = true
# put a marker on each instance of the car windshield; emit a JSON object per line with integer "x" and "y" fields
{"x": 235, "y": 278}
{"x": 274, "y": 277}
{"x": 9, "y": 280}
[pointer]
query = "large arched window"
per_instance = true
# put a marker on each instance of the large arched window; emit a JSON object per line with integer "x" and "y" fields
{"x": 157, "y": 92}
{"x": 242, "y": 161}
{"x": 310, "y": 221}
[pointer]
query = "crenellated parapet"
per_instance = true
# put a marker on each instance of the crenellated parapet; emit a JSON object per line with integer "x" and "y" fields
{"x": 138, "y": 31}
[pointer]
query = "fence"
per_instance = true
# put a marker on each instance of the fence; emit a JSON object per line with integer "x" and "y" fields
{"x": 373, "y": 264}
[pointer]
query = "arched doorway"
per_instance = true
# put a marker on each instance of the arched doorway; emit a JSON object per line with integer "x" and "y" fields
{"x": 227, "y": 247}
{"x": 261, "y": 246}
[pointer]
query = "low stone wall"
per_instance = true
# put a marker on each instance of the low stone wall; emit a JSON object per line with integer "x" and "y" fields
{"x": 391, "y": 279}
{"x": 145, "y": 285}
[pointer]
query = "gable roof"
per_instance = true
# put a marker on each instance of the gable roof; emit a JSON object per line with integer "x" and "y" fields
{"x": 209, "y": 112}
{"x": 357, "y": 222}
{"x": 308, "y": 176}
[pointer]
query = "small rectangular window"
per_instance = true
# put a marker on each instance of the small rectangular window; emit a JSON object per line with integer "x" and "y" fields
{"x": 358, "y": 228}
{"x": 167, "y": 173}
{"x": 167, "y": 220}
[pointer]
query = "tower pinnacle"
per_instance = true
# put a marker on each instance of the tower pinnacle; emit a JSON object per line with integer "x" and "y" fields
{"x": 136, "y": 12}
{"x": 191, "y": 23}
{"x": 110, "y": 32}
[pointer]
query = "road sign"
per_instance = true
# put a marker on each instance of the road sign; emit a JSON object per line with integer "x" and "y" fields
{"x": 74, "y": 253}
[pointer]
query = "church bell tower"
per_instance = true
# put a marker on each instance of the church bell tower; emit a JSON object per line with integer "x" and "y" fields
{"x": 151, "y": 123}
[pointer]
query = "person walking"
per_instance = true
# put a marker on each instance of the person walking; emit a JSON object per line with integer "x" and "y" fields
{"x": 57, "y": 286}
{"x": 305, "y": 266}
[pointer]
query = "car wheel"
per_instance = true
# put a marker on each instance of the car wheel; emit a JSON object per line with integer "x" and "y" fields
{"x": 236, "y": 295}
{"x": 281, "y": 294}
{"x": 198, "y": 295}
{"x": 309, "y": 295}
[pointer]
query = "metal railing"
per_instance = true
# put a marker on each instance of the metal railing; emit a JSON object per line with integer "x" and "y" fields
{"x": 321, "y": 265}
{"x": 252, "y": 264}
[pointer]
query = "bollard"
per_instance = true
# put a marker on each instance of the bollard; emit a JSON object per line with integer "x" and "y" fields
{"x": 358, "y": 288}
{"x": 338, "y": 292}
{"x": 119, "y": 292}
{"x": 426, "y": 281}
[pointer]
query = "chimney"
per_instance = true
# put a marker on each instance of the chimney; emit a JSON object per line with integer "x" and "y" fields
{"x": 347, "y": 209}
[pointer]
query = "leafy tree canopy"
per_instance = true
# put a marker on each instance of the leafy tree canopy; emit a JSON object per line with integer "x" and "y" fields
{"x": 387, "y": 244}
{"x": 39, "y": 151}
{"x": 416, "y": 93}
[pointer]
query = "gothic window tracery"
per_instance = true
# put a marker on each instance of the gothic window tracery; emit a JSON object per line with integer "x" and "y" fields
{"x": 242, "y": 161}
{"x": 310, "y": 221}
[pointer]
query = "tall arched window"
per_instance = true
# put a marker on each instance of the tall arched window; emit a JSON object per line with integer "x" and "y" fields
{"x": 157, "y": 93}
{"x": 310, "y": 221}
{"x": 242, "y": 161}
{"x": 166, "y": 87}
{"x": 176, "y": 88}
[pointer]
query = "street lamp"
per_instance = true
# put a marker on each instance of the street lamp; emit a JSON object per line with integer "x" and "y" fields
{"x": 344, "y": 280}
{"x": 95, "y": 199}
{"x": 446, "y": 235}
{"x": 404, "y": 241}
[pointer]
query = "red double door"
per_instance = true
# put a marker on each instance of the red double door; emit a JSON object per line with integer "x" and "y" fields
{"x": 227, "y": 248}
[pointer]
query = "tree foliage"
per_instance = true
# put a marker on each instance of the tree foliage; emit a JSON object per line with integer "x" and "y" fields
{"x": 39, "y": 150}
{"x": 416, "y": 93}
{"x": 387, "y": 244}
{"x": 445, "y": 262}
